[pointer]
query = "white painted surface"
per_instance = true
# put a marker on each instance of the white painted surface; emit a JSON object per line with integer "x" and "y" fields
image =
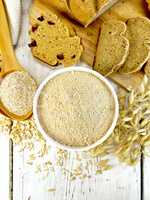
{"x": 121, "y": 183}
{"x": 4, "y": 166}
{"x": 146, "y": 178}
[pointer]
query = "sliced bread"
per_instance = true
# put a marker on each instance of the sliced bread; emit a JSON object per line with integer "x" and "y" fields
{"x": 51, "y": 39}
{"x": 125, "y": 9}
{"x": 88, "y": 36}
{"x": 84, "y": 11}
{"x": 66, "y": 51}
{"x": 113, "y": 47}
{"x": 138, "y": 34}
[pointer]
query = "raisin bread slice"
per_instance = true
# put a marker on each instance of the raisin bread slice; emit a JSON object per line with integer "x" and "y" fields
{"x": 52, "y": 41}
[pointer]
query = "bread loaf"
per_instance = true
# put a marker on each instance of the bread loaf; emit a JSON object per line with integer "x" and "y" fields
{"x": 62, "y": 29}
{"x": 85, "y": 11}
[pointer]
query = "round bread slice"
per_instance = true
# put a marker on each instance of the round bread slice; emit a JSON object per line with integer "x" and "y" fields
{"x": 112, "y": 48}
{"x": 138, "y": 34}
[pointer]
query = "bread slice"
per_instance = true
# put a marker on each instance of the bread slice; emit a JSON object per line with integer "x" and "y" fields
{"x": 51, "y": 39}
{"x": 112, "y": 48}
{"x": 138, "y": 33}
{"x": 125, "y": 9}
{"x": 66, "y": 51}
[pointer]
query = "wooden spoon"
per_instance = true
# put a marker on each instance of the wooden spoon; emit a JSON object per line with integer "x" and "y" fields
{"x": 10, "y": 63}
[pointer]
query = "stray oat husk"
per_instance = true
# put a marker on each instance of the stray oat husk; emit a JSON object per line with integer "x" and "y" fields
{"x": 51, "y": 190}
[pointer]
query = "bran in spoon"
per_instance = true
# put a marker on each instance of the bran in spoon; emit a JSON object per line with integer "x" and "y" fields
{"x": 17, "y": 90}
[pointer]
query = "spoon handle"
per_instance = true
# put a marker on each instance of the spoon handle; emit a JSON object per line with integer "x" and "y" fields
{"x": 9, "y": 60}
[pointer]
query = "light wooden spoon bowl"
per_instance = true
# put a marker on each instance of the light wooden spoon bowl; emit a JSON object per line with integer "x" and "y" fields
{"x": 10, "y": 63}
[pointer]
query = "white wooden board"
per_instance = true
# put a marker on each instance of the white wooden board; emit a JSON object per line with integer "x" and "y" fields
{"x": 121, "y": 183}
{"x": 146, "y": 178}
{"x": 4, "y": 166}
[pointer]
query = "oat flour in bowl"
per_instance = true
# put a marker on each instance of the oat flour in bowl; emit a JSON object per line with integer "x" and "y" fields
{"x": 76, "y": 108}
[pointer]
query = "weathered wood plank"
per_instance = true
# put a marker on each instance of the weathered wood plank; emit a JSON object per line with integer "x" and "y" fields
{"x": 121, "y": 182}
{"x": 146, "y": 178}
{"x": 4, "y": 166}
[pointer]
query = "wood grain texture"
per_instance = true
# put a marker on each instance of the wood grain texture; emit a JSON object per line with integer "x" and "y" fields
{"x": 146, "y": 178}
{"x": 122, "y": 182}
{"x": 4, "y": 166}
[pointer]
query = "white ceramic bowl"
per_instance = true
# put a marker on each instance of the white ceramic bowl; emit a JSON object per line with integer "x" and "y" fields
{"x": 49, "y": 139}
